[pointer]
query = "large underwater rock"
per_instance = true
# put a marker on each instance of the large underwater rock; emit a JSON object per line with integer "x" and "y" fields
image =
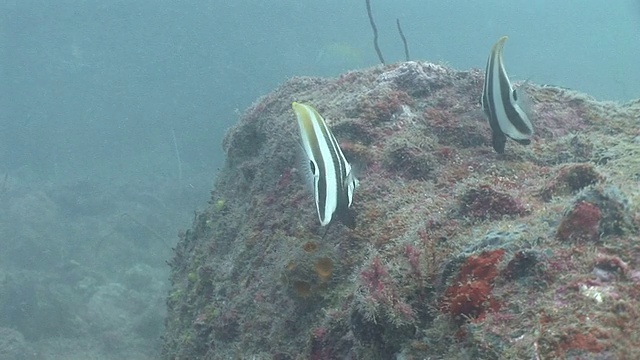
{"x": 458, "y": 252}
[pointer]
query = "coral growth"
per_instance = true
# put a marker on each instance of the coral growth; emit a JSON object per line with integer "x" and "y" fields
{"x": 457, "y": 129}
{"x": 614, "y": 207}
{"x": 308, "y": 271}
{"x": 408, "y": 160}
{"x": 323, "y": 268}
{"x": 597, "y": 212}
{"x": 558, "y": 118}
{"x": 484, "y": 202}
{"x": 383, "y": 105}
{"x": 581, "y": 223}
{"x": 470, "y": 294}
{"x": 418, "y": 78}
{"x": 522, "y": 264}
{"x": 380, "y": 297}
{"x": 570, "y": 179}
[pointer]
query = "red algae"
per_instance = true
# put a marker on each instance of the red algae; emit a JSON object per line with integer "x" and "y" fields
{"x": 470, "y": 294}
{"x": 582, "y": 223}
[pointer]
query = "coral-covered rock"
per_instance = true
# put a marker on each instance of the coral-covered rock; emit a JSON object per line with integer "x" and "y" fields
{"x": 597, "y": 211}
{"x": 614, "y": 206}
{"x": 524, "y": 263}
{"x": 455, "y": 128}
{"x": 383, "y": 104}
{"x": 409, "y": 160}
{"x": 581, "y": 223}
{"x": 418, "y": 78}
{"x": 470, "y": 294}
{"x": 484, "y": 202}
{"x": 570, "y": 179}
{"x": 457, "y": 250}
{"x": 308, "y": 271}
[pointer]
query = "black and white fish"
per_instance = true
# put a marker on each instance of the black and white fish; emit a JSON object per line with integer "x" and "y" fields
{"x": 505, "y": 108}
{"x": 329, "y": 172}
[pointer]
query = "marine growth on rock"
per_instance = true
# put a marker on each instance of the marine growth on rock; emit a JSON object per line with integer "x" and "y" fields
{"x": 532, "y": 254}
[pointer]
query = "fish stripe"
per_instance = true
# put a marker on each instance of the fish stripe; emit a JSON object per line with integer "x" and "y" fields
{"x": 333, "y": 190}
{"x": 500, "y": 105}
{"x": 489, "y": 105}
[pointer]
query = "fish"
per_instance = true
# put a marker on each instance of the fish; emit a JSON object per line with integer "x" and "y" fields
{"x": 505, "y": 107}
{"x": 331, "y": 175}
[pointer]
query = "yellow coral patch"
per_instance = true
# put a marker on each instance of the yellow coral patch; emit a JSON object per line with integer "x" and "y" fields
{"x": 310, "y": 247}
{"x": 324, "y": 268}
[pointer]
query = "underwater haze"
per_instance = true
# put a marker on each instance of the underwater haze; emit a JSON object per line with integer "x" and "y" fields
{"x": 112, "y": 115}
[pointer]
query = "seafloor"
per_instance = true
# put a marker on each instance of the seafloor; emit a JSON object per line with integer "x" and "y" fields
{"x": 458, "y": 253}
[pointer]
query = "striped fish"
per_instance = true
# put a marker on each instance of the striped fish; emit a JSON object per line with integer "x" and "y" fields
{"x": 329, "y": 171}
{"x": 505, "y": 108}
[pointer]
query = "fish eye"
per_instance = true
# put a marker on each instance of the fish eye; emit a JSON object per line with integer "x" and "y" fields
{"x": 312, "y": 166}
{"x": 515, "y": 95}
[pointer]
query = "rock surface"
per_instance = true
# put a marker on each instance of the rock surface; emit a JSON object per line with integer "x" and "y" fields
{"x": 458, "y": 252}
